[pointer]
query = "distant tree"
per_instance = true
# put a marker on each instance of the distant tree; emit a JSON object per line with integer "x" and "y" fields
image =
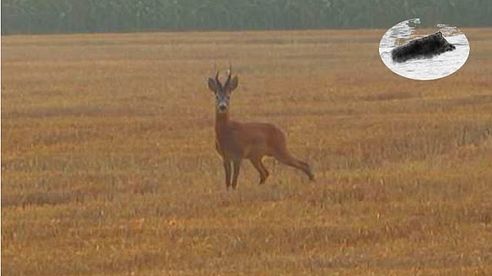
{"x": 53, "y": 16}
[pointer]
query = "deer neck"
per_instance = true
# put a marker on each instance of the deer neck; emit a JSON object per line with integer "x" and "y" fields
{"x": 221, "y": 122}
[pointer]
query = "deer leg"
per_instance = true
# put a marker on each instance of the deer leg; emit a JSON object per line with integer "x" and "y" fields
{"x": 260, "y": 168}
{"x": 293, "y": 162}
{"x": 307, "y": 170}
{"x": 265, "y": 171}
{"x": 236, "y": 164}
{"x": 227, "y": 169}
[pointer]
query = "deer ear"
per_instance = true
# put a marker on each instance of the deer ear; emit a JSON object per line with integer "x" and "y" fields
{"x": 212, "y": 84}
{"x": 233, "y": 83}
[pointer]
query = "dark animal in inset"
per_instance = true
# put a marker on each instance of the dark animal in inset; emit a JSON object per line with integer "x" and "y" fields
{"x": 236, "y": 141}
{"x": 425, "y": 47}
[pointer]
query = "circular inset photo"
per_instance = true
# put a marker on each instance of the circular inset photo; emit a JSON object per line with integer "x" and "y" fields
{"x": 418, "y": 53}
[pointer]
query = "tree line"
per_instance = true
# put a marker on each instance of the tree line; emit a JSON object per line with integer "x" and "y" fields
{"x": 67, "y": 16}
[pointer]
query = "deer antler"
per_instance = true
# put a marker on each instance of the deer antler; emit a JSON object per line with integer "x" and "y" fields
{"x": 229, "y": 73}
{"x": 217, "y": 76}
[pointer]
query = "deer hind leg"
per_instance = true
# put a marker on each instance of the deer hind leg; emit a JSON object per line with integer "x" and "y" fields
{"x": 265, "y": 171}
{"x": 227, "y": 169}
{"x": 289, "y": 160}
{"x": 260, "y": 168}
{"x": 236, "y": 164}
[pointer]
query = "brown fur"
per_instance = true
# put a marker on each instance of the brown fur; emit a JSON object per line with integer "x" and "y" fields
{"x": 236, "y": 141}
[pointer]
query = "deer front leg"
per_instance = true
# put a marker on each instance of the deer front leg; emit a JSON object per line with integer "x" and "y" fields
{"x": 227, "y": 169}
{"x": 236, "y": 165}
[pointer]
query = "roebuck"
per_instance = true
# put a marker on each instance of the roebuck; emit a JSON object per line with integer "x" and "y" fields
{"x": 237, "y": 141}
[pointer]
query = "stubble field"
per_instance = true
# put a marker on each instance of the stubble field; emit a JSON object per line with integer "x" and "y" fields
{"x": 109, "y": 164}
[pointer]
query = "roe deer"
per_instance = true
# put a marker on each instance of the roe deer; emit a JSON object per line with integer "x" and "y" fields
{"x": 237, "y": 141}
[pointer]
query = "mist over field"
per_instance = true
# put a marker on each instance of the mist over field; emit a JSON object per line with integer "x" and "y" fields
{"x": 109, "y": 164}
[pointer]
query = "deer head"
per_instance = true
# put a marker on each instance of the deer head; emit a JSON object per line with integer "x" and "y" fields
{"x": 222, "y": 92}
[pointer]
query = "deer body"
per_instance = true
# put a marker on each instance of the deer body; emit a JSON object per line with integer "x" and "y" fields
{"x": 236, "y": 141}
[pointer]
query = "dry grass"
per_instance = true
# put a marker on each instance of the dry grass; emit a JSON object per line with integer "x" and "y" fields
{"x": 109, "y": 166}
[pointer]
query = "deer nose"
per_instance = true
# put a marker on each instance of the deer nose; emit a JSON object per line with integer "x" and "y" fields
{"x": 222, "y": 107}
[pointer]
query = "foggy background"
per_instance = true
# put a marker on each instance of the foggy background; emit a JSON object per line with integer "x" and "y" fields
{"x": 67, "y": 16}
